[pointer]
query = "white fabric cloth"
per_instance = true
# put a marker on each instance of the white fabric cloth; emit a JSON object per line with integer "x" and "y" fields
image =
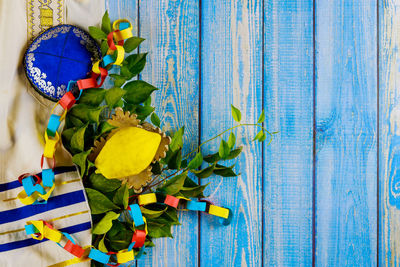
{"x": 23, "y": 120}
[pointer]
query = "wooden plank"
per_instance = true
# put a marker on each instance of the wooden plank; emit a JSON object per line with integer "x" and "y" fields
{"x": 231, "y": 71}
{"x": 288, "y": 166}
{"x": 346, "y": 133}
{"x": 389, "y": 139}
{"x": 171, "y": 29}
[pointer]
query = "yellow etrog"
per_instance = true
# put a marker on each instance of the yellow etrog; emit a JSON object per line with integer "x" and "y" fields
{"x": 128, "y": 152}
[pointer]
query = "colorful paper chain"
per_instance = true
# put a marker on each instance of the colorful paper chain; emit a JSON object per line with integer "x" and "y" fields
{"x": 41, "y": 229}
{"x": 37, "y": 190}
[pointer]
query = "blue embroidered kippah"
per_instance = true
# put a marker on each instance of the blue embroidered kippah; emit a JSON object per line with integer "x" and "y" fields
{"x": 57, "y": 56}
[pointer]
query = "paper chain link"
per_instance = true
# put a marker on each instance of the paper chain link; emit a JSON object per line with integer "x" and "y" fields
{"x": 37, "y": 190}
{"x": 41, "y": 229}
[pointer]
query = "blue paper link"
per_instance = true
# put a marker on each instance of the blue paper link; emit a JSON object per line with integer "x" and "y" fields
{"x": 52, "y": 126}
{"x": 136, "y": 214}
{"x": 108, "y": 59}
{"x": 30, "y": 229}
{"x": 131, "y": 246}
{"x": 196, "y": 205}
{"x": 29, "y": 186}
{"x": 48, "y": 177}
{"x": 99, "y": 256}
{"x": 227, "y": 221}
{"x": 123, "y": 25}
{"x": 141, "y": 251}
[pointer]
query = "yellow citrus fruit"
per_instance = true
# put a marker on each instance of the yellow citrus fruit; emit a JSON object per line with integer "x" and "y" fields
{"x": 128, "y": 152}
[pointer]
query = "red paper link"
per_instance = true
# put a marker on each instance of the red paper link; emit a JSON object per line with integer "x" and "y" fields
{"x": 23, "y": 176}
{"x": 171, "y": 201}
{"x": 67, "y": 101}
{"x": 42, "y": 161}
{"x": 92, "y": 81}
{"x": 110, "y": 41}
{"x": 139, "y": 236}
{"x": 74, "y": 249}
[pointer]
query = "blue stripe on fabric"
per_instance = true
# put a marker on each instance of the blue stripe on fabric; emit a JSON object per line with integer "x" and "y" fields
{"x": 29, "y": 242}
{"x": 53, "y": 203}
{"x": 16, "y": 184}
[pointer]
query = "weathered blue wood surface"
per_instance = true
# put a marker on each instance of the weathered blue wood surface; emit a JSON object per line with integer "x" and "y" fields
{"x": 288, "y": 163}
{"x": 312, "y": 196}
{"x": 346, "y": 133}
{"x": 389, "y": 119}
{"x": 231, "y": 73}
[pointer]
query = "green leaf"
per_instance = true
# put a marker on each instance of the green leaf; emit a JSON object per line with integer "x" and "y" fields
{"x": 104, "y": 48}
{"x": 80, "y": 160}
{"x": 263, "y": 137}
{"x": 175, "y": 159}
{"x": 98, "y": 202}
{"x": 105, "y": 224}
{"x": 72, "y": 121}
{"x": 87, "y": 113}
{"x": 92, "y": 96}
{"x": 261, "y": 119}
{"x": 171, "y": 215}
{"x": 177, "y": 140}
{"x": 119, "y": 236}
{"x": 224, "y": 171}
{"x": 147, "y": 102}
{"x": 104, "y": 127}
{"x": 143, "y": 112}
{"x": 231, "y": 140}
{"x": 121, "y": 197}
{"x": 125, "y": 73}
{"x": 138, "y": 91}
{"x": 67, "y": 135}
{"x": 97, "y": 33}
{"x": 136, "y": 63}
{"x": 157, "y": 230}
{"x": 224, "y": 149}
{"x": 237, "y": 116}
{"x": 78, "y": 139}
{"x": 174, "y": 185}
{"x": 132, "y": 43}
{"x": 106, "y": 23}
{"x": 102, "y": 247}
{"x": 196, "y": 161}
{"x": 101, "y": 183}
{"x": 234, "y": 153}
{"x": 155, "y": 119}
{"x": 152, "y": 214}
{"x": 259, "y": 135}
{"x": 204, "y": 173}
{"x": 114, "y": 95}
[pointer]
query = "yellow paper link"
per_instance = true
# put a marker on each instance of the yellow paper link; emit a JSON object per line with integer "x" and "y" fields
{"x": 74, "y": 260}
{"x": 145, "y": 225}
{"x": 52, "y": 234}
{"x": 50, "y": 146}
{"x": 123, "y": 35}
{"x": 32, "y": 198}
{"x": 147, "y": 199}
{"x": 118, "y": 21}
{"x": 51, "y": 220}
{"x": 62, "y": 117}
{"x": 218, "y": 211}
{"x": 120, "y": 55}
{"x": 57, "y": 183}
{"x": 39, "y": 225}
{"x": 184, "y": 198}
{"x": 95, "y": 67}
{"x": 124, "y": 256}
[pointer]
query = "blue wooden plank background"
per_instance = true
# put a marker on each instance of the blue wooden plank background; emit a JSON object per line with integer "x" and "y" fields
{"x": 326, "y": 191}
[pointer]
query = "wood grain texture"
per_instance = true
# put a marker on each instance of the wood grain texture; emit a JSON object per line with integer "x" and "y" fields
{"x": 288, "y": 164}
{"x": 231, "y": 73}
{"x": 389, "y": 127}
{"x": 346, "y": 133}
{"x": 171, "y": 29}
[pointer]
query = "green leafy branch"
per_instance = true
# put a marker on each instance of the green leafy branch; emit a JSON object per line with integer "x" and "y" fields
{"x": 86, "y": 123}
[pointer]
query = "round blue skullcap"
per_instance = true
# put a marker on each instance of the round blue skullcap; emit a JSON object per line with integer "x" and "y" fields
{"x": 57, "y": 56}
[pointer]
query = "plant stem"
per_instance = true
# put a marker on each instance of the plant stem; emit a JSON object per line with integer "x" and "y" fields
{"x": 227, "y": 130}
